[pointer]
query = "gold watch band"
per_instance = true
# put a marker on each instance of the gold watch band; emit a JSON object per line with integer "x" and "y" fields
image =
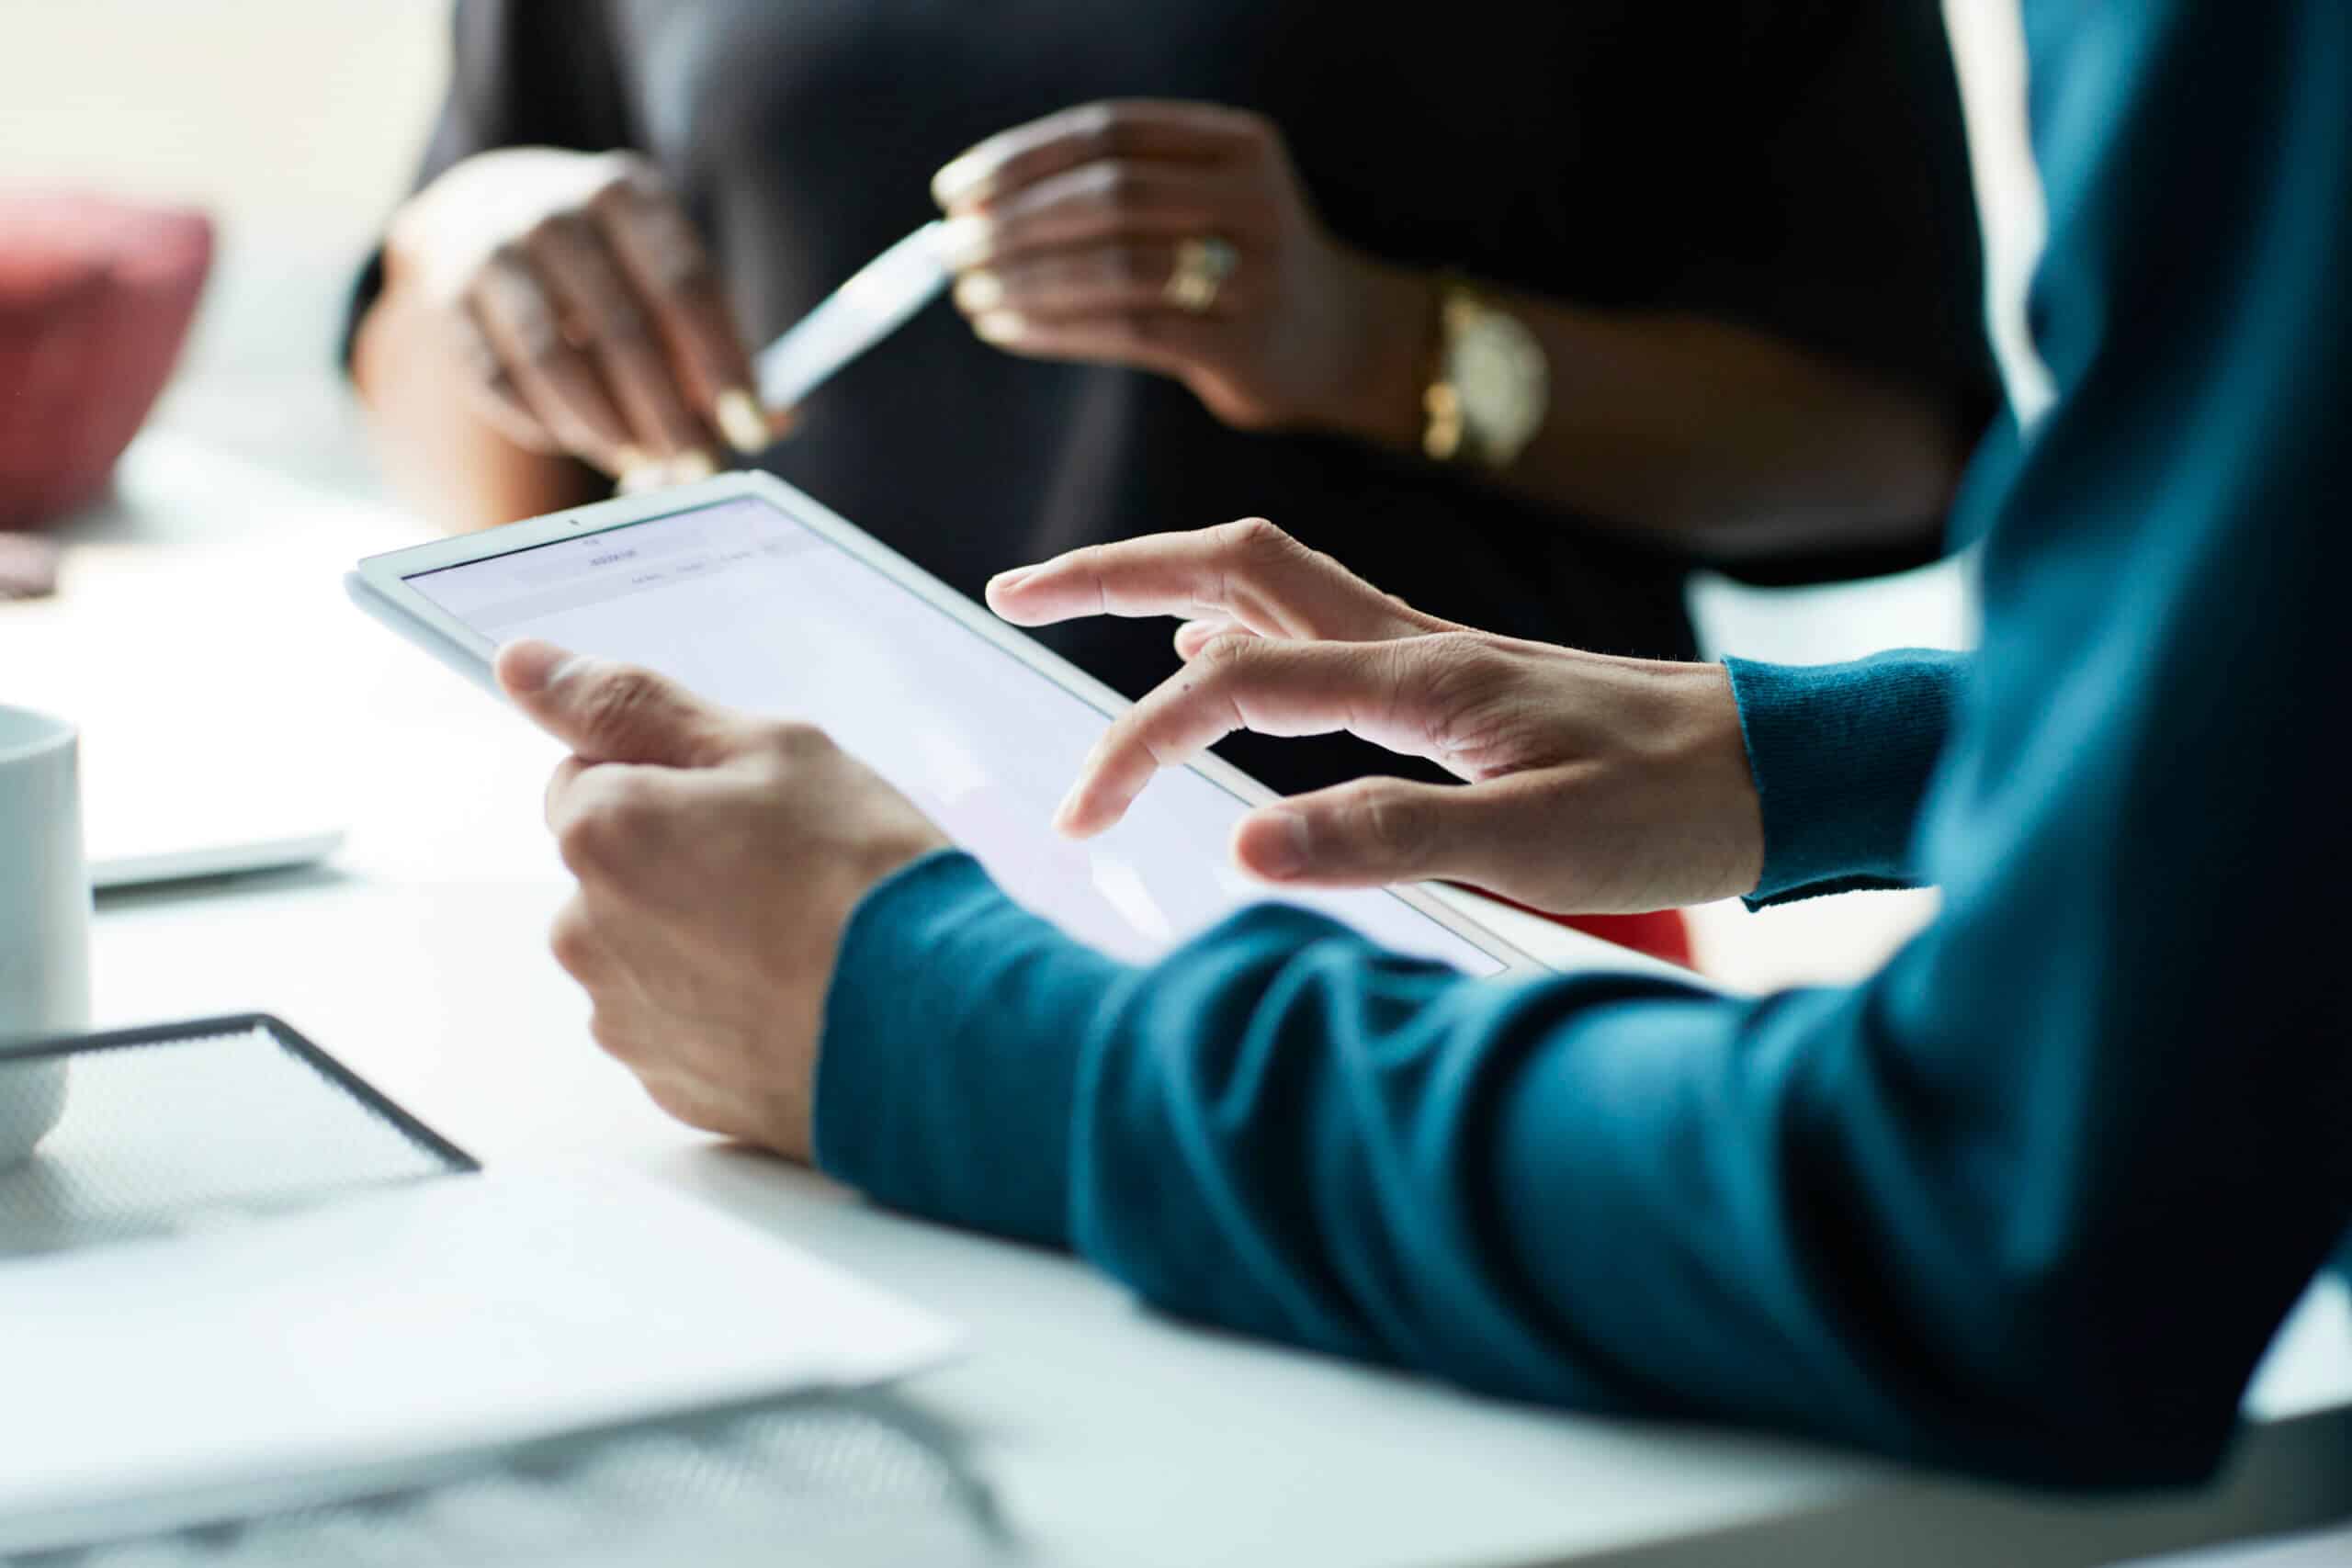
{"x": 1442, "y": 429}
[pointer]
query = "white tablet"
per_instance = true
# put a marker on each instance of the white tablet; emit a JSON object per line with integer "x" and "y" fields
{"x": 751, "y": 594}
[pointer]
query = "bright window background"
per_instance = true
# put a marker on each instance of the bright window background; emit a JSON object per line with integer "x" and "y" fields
{"x": 297, "y": 123}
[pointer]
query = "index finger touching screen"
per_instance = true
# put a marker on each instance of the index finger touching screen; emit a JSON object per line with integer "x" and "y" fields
{"x": 751, "y": 607}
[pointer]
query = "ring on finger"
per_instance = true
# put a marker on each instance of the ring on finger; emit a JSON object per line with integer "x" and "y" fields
{"x": 1203, "y": 265}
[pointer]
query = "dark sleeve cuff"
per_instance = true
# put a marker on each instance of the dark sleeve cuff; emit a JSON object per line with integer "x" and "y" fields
{"x": 1842, "y": 755}
{"x": 364, "y": 290}
{"x": 949, "y": 1064}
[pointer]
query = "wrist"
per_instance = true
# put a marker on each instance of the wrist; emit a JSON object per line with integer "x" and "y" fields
{"x": 1377, "y": 398}
{"x": 886, "y": 854}
{"x": 1702, "y": 763}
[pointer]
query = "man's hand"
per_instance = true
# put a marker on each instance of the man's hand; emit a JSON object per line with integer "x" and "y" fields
{"x": 1596, "y": 784}
{"x": 719, "y": 858}
{"x": 579, "y": 310}
{"x": 1078, "y": 226}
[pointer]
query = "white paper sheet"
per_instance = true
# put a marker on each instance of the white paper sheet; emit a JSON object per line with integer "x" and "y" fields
{"x": 154, "y": 1384}
{"x": 2332, "y": 1549}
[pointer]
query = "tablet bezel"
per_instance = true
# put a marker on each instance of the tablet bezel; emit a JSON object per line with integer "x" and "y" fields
{"x": 379, "y": 585}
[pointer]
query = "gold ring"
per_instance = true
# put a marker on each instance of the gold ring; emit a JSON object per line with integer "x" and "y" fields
{"x": 1202, "y": 266}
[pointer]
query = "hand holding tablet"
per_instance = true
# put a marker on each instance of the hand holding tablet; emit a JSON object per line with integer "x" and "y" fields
{"x": 708, "y": 964}
{"x": 768, "y": 714}
{"x": 756, "y": 598}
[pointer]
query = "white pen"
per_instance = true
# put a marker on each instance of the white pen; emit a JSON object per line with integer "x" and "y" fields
{"x": 876, "y": 300}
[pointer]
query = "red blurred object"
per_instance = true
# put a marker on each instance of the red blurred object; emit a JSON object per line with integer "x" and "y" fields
{"x": 1663, "y": 933}
{"x": 95, "y": 298}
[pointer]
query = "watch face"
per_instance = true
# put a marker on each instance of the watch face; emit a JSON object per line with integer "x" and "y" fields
{"x": 1498, "y": 367}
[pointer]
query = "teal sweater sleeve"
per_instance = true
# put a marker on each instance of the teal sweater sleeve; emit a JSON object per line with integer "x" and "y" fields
{"x": 2033, "y": 1199}
{"x": 1842, "y": 755}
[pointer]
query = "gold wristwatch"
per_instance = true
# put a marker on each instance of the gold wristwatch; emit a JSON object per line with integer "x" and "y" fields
{"x": 1490, "y": 386}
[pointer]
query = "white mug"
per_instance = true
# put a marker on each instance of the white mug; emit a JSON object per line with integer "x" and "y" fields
{"x": 44, "y": 918}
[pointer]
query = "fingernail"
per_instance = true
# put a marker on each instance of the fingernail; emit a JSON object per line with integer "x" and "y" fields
{"x": 534, "y": 665}
{"x": 1285, "y": 852}
{"x": 966, "y": 240}
{"x": 741, "y": 421}
{"x": 1010, "y": 578}
{"x": 1066, "y": 811}
{"x": 980, "y": 293}
{"x": 1000, "y": 326}
{"x": 688, "y": 467}
{"x": 958, "y": 177}
{"x": 641, "y": 473}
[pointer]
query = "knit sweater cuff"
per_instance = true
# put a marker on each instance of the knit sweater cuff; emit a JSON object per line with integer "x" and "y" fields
{"x": 1842, "y": 756}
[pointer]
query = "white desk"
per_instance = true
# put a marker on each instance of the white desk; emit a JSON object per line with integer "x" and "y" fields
{"x": 1110, "y": 1437}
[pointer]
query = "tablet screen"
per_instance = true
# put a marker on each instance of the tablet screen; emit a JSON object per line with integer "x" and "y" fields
{"x": 742, "y": 603}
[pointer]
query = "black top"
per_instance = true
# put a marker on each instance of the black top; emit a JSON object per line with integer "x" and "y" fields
{"x": 1797, "y": 165}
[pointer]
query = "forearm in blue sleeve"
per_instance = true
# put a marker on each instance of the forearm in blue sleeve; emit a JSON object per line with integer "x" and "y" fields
{"x": 2034, "y": 1200}
{"x": 953, "y": 1027}
{"x": 1842, "y": 756}
{"x": 1610, "y": 1191}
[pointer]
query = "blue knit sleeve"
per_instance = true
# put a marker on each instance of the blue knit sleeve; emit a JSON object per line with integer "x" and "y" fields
{"x": 1842, "y": 756}
{"x": 952, "y": 1033}
{"x": 2032, "y": 1200}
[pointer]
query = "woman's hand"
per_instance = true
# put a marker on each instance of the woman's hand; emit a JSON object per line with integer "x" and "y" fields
{"x": 1596, "y": 784}
{"x": 1077, "y": 224}
{"x": 578, "y": 309}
